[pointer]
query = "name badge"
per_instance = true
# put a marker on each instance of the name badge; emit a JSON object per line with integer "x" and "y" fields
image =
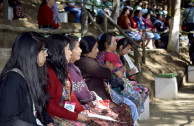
{"x": 70, "y": 106}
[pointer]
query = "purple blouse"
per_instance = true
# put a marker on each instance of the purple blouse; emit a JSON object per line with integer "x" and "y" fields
{"x": 79, "y": 86}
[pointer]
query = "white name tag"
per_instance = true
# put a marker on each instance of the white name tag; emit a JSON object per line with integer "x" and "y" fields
{"x": 70, "y": 106}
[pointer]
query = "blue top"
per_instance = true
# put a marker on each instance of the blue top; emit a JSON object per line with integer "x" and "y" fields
{"x": 189, "y": 14}
{"x": 141, "y": 24}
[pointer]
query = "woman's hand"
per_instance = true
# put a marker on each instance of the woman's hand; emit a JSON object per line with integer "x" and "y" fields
{"x": 131, "y": 71}
{"x": 50, "y": 124}
{"x": 83, "y": 117}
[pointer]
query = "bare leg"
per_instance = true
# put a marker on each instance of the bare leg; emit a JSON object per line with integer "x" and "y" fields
{"x": 146, "y": 44}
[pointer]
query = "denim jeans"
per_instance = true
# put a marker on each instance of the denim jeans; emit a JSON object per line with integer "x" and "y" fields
{"x": 55, "y": 8}
{"x": 133, "y": 108}
{"x": 76, "y": 11}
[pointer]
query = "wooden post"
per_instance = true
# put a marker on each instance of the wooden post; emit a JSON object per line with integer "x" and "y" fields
{"x": 47, "y": 31}
{"x": 138, "y": 64}
{"x": 143, "y": 40}
{"x": 84, "y": 24}
{"x": 95, "y": 24}
{"x": 173, "y": 39}
{"x": 105, "y": 24}
{"x": 5, "y": 21}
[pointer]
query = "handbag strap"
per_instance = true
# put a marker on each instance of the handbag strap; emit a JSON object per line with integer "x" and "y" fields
{"x": 18, "y": 71}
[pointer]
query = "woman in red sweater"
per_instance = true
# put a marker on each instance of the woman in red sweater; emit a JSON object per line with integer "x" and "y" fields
{"x": 46, "y": 16}
{"x": 63, "y": 106}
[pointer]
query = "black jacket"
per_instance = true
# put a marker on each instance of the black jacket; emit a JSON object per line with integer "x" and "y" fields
{"x": 15, "y": 104}
{"x": 116, "y": 82}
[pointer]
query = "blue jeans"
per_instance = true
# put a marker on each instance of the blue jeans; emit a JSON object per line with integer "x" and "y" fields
{"x": 133, "y": 108}
{"x": 55, "y": 8}
{"x": 156, "y": 36}
{"x": 76, "y": 11}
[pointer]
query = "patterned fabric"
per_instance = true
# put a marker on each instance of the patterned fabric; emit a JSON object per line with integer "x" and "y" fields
{"x": 135, "y": 97}
{"x": 79, "y": 86}
{"x": 124, "y": 114}
{"x": 121, "y": 113}
{"x": 116, "y": 98}
{"x": 65, "y": 122}
{"x": 100, "y": 57}
{"x": 141, "y": 88}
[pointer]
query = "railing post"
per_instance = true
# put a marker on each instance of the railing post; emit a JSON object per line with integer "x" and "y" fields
{"x": 143, "y": 46}
{"x": 138, "y": 64}
{"x": 84, "y": 24}
{"x": 105, "y": 24}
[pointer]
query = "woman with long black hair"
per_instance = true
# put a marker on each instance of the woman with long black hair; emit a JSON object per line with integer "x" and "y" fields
{"x": 60, "y": 85}
{"x": 23, "y": 82}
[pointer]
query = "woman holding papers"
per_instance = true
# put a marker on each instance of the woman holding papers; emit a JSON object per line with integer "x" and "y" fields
{"x": 124, "y": 46}
{"x": 63, "y": 107}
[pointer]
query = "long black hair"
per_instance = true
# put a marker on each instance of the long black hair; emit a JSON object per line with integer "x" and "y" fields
{"x": 87, "y": 44}
{"x": 107, "y": 37}
{"x": 24, "y": 56}
{"x": 72, "y": 41}
{"x": 56, "y": 55}
{"x": 124, "y": 42}
{"x": 124, "y": 10}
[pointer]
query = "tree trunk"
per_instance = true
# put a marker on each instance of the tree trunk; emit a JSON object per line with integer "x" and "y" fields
{"x": 173, "y": 40}
{"x": 115, "y": 10}
{"x": 5, "y": 21}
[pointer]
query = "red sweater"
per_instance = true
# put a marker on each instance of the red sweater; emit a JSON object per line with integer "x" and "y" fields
{"x": 55, "y": 90}
{"x": 46, "y": 16}
{"x": 133, "y": 23}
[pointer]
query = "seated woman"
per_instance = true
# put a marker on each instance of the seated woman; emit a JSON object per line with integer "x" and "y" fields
{"x": 124, "y": 47}
{"x": 160, "y": 26}
{"x": 142, "y": 25}
{"x": 80, "y": 88}
{"x": 46, "y": 16}
{"x": 64, "y": 107}
{"x": 125, "y": 23}
{"x": 107, "y": 43}
{"x": 152, "y": 27}
{"x": 23, "y": 97}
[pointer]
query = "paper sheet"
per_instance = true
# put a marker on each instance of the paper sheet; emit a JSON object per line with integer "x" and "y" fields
{"x": 130, "y": 63}
{"x": 101, "y": 117}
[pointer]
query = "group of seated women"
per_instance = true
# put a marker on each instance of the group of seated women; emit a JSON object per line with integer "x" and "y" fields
{"x": 133, "y": 20}
{"x": 61, "y": 81}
